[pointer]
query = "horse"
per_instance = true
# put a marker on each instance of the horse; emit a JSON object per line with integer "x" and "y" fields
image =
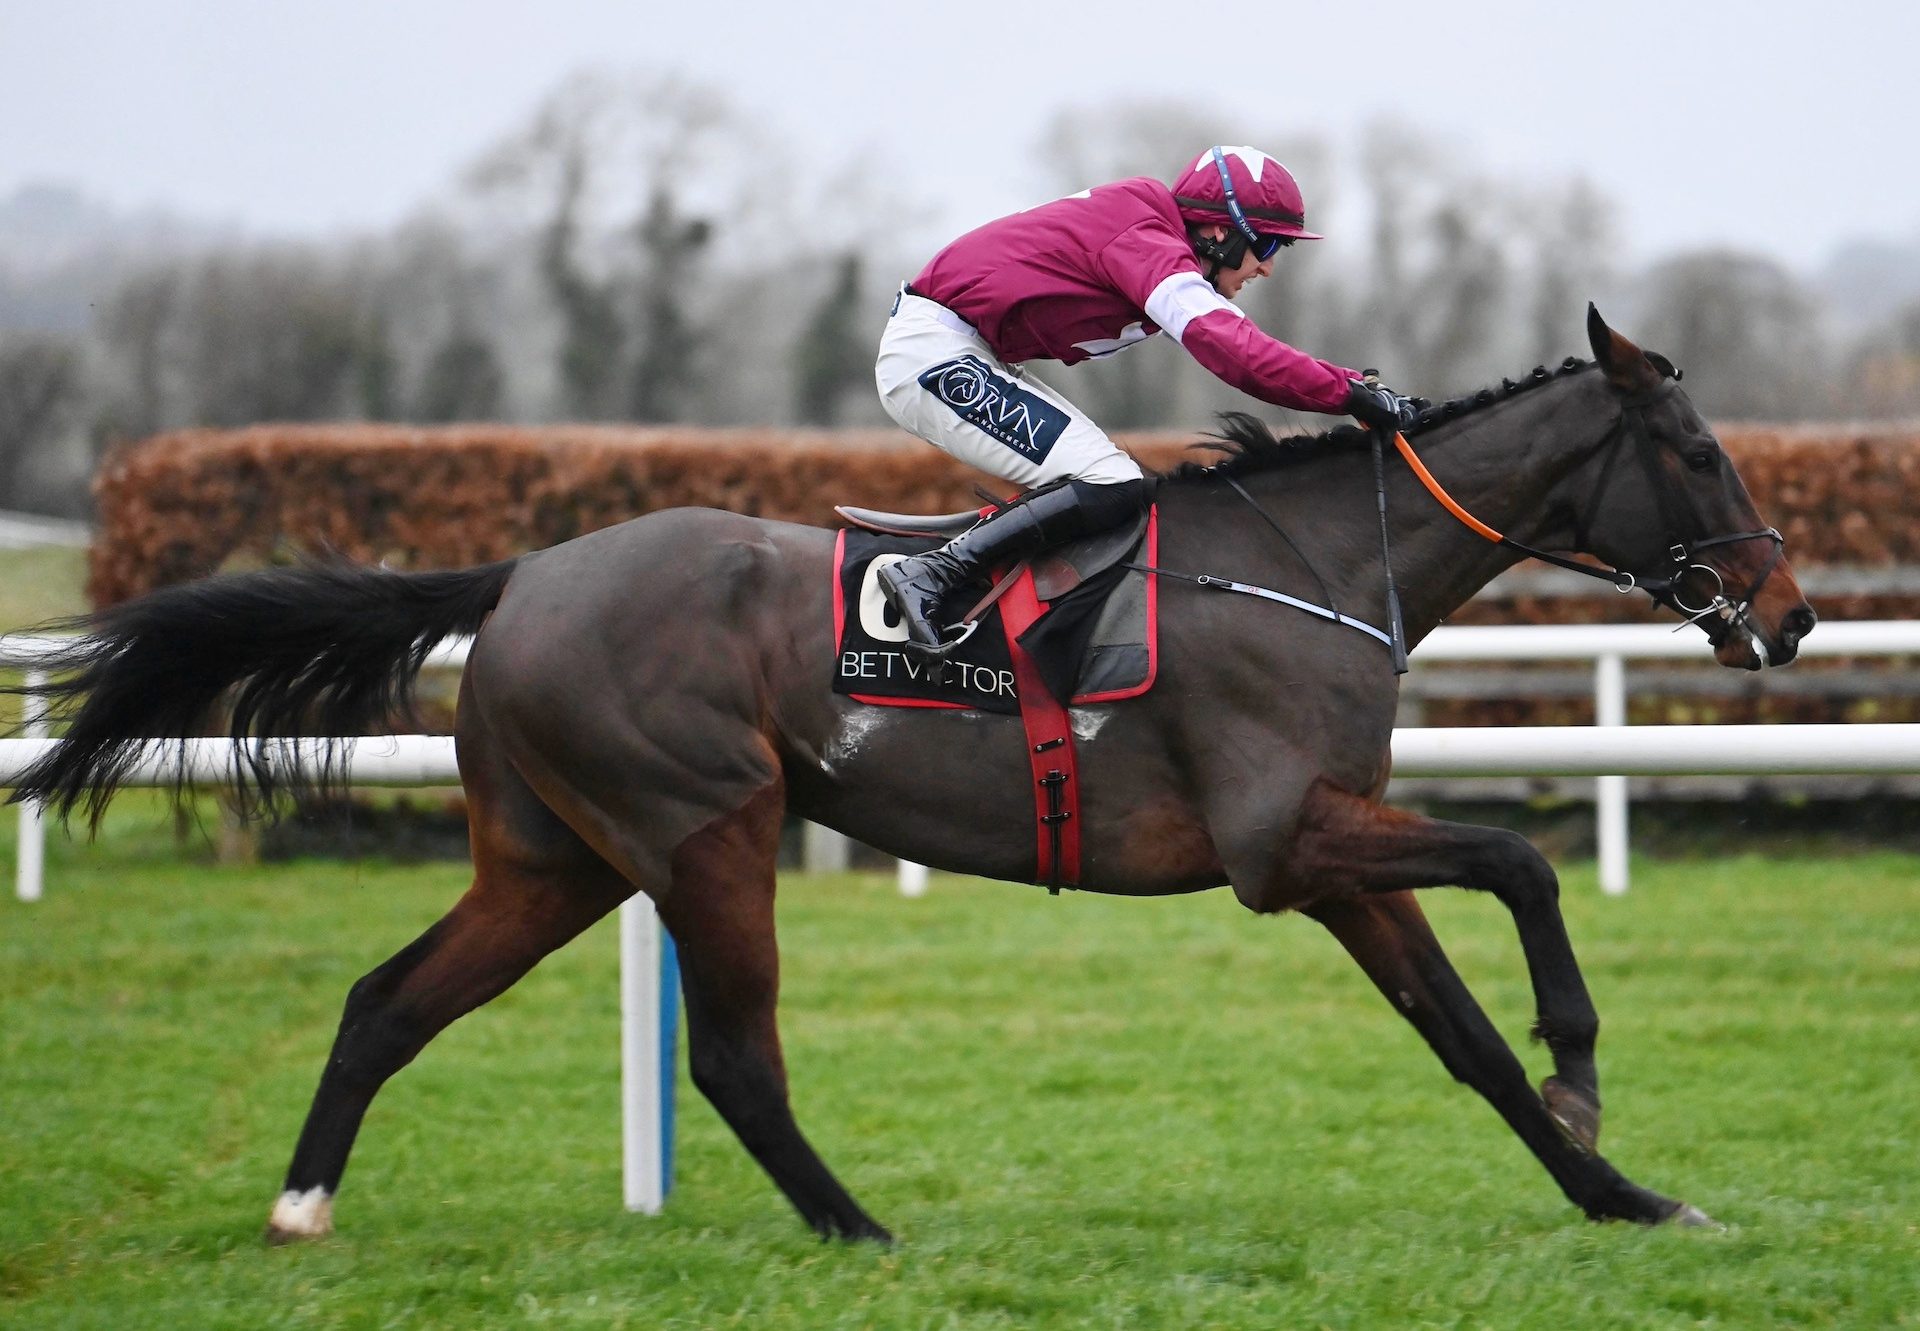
{"x": 641, "y": 706}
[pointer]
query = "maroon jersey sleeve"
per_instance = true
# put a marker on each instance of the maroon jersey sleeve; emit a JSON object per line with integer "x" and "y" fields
{"x": 1153, "y": 266}
{"x": 1228, "y": 344}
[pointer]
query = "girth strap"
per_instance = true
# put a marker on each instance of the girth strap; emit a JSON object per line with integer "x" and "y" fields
{"x": 1049, "y": 727}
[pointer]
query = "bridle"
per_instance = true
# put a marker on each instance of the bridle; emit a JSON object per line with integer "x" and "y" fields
{"x": 1683, "y": 556}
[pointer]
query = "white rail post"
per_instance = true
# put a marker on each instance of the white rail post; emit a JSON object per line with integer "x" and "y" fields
{"x": 823, "y": 850}
{"x": 29, "y": 870}
{"x": 649, "y": 1019}
{"x": 913, "y": 879}
{"x": 1610, "y": 792}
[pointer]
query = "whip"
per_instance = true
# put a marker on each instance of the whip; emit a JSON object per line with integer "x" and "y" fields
{"x": 1396, "y": 632}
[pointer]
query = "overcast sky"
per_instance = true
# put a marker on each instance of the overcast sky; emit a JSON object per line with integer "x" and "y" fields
{"x": 1782, "y": 127}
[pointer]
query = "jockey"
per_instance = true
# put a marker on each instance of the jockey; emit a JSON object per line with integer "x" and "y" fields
{"x": 1081, "y": 277}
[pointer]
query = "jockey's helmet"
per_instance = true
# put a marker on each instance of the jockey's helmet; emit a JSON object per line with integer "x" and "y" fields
{"x": 1247, "y": 191}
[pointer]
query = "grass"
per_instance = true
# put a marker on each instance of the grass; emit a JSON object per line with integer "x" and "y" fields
{"x": 41, "y": 584}
{"x": 1073, "y": 1112}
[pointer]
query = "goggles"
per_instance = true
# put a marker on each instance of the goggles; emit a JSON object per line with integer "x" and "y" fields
{"x": 1264, "y": 245}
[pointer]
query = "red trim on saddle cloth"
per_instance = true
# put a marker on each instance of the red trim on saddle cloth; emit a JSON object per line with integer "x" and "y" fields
{"x": 874, "y": 700}
{"x": 1056, "y": 785}
{"x": 839, "y": 597}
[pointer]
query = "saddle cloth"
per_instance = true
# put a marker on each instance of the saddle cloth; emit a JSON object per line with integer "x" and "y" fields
{"x": 1097, "y": 643}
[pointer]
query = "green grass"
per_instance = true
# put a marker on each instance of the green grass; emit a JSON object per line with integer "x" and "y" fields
{"x": 1073, "y": 1112}
{"x": 41, "y": 584}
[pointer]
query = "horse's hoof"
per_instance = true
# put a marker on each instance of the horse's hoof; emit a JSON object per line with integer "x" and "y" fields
{"x": 276, "y": 1237}
{"x": 859, "y": 1229}
{"x": 1690, "y": 1217}
{"x": 298, "y": 1216}
{"x": 1577, "y": 1116}
{"x": 866, "y": 1231}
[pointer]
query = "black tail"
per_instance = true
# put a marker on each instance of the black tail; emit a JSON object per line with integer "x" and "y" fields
{"x": 328, "y": 649}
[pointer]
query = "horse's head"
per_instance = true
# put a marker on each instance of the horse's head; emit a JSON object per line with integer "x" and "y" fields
{"x": 1667, "y": 505}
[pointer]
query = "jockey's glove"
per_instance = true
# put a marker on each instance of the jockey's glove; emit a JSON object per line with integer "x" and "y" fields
{"x": 1372, "y": 403}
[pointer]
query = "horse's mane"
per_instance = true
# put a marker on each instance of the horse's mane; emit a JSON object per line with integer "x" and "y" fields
{"x": 1250, "y": 445}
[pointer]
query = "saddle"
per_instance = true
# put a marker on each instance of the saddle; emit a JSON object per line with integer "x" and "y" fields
{"x": 1078, "y": 626}
{"x": 1055, "y": 573}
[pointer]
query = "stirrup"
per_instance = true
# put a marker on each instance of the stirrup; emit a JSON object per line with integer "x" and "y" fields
{"x": 921, "y": 651}
{"x": 966, "y": 631}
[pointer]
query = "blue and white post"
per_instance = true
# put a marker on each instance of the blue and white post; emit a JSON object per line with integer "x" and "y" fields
{"x": 649, "y": 1021}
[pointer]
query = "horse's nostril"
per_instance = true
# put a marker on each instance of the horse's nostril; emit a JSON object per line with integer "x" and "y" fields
{"x": 1798, "y": 624}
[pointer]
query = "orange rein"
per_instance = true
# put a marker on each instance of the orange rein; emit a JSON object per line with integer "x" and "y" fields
{"x": 1434, "y": 488}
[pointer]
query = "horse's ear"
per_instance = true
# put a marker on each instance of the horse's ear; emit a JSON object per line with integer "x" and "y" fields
{"x": 1625, "y": 365}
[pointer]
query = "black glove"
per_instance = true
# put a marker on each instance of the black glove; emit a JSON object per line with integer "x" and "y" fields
{"x": 1372, "y": 403}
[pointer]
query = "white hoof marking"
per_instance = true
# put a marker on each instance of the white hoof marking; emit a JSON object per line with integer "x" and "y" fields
{"x": 308, "y": 1214}
{"x": 1692, "y": 1217}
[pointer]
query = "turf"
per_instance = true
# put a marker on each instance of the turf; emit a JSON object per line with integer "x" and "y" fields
{"x": 41, "y": 584}
{"x": 1073, "y": 1112}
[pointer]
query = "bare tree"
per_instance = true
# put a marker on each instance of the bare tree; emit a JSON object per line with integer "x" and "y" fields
{"x": 139, "y": 332}
{"x": 832, "y": 356}
{"x": 1571, "y": 233}
{"x": 1439, "y": 277}
{"x": 659, "y": 148}
{"x": 462, "y": 381}
{"x": 606, "y": 139}
{"x": 39, "y": 384}
{"x": 376, "y": 368}
{"x": 39, "y": 387}
{"x": 1882, "y": 377}
{"x": 1091, "y": 145}
{"x": 595, "y": 337}
{"x": 662, "y": 377}
{"x": 275, "y": 335}
{"x": 1745, "y": 333}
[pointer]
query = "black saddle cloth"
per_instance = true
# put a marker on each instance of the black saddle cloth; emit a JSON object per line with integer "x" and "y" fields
{"x": 1092, "y": 643}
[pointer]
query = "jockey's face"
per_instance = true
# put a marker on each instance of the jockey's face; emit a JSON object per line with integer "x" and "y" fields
{"x": 1228, "y": 281}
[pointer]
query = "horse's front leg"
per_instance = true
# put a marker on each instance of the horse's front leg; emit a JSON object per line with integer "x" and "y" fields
{"x": 1349, "y": 845}
{"x": 1345, "y": 849}
{"x": 1389, "y": 936}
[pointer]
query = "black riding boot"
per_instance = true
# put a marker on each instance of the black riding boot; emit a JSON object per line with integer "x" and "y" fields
{"x": 917, "y": 586}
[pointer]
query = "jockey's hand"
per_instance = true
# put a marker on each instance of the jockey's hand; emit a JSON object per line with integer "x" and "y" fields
{"x": 1372, "y": 403}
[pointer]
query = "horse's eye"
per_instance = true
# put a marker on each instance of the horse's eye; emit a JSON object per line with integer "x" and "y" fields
{"x": 1704, "y": 459}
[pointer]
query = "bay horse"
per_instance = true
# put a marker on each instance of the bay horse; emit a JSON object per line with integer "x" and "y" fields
{"x": 643, "y": 704}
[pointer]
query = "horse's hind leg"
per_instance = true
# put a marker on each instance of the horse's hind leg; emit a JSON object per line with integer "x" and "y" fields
{"x": 1389, "y": 936}
{"x": 536, "y": 886}
{"x": 720, "y": 913}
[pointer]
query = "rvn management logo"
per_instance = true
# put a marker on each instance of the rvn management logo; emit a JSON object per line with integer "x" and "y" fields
{"x": 1017, "y": 417}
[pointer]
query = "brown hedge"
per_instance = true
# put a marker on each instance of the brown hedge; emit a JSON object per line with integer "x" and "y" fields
{"x": 184, "y": 504}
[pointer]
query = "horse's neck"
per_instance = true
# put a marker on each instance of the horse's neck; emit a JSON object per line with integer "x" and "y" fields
{"x": 1506, "y": 465}
{"x": 1501, "y": 463}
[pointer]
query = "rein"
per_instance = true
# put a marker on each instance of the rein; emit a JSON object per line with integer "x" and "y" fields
{"x": 1682, "y": 556}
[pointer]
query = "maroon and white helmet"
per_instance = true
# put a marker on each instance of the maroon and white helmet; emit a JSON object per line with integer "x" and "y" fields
{"x": 1246, "y": 189}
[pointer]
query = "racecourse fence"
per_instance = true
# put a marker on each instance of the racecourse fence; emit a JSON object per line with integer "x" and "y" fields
{"x": 1420, "y": 753}
{"x": 1610, "y": 750}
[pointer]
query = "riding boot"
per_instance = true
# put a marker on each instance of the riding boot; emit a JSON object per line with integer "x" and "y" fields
{"x": 917, "y": 586}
